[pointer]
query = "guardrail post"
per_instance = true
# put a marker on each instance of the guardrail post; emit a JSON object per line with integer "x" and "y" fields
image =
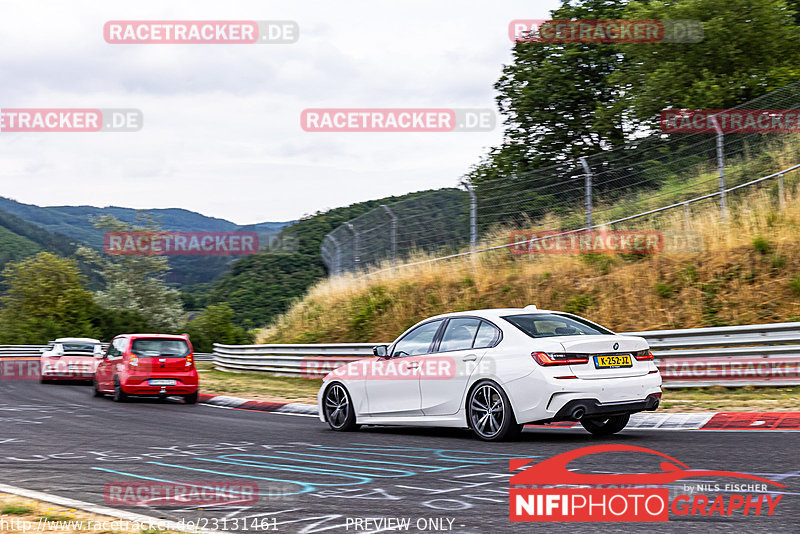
{"x": 721, "y": 167}
{"x": 781, "y": 197}
{"x": 394, "y": 231}
{"x": 587, "y": 173}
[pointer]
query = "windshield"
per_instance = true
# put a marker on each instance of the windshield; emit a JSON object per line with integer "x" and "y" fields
{"x": 78, "y": 347}
{"x": 164, "y": 348}
{"x": 550, "y": 325}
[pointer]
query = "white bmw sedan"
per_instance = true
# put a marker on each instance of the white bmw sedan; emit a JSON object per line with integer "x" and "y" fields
{"x": 494, "y": 371}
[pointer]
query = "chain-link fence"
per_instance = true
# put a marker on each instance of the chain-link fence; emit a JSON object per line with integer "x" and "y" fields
{"x": 647, "y": 176}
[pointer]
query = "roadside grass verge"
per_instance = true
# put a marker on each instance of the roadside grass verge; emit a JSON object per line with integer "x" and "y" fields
{"x": 257, "y": 386}
{"x": 22, "y": 516}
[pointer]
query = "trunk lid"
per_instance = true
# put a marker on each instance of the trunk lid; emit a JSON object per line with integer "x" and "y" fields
{"x": 604, "y": 345}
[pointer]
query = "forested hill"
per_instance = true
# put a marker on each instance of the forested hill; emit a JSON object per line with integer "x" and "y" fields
{"x": 261, "y": 286}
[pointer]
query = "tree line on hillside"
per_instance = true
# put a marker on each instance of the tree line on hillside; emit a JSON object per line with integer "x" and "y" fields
{"x": 46, "y": 297}
{"x": 562, "y": 101}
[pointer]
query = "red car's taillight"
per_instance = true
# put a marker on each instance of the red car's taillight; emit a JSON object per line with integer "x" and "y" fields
{"x": 642, "y": 355}
{"x": 134, "y": 361}
{"x": 546, "y": 359}
{"x": 189, "y": 359}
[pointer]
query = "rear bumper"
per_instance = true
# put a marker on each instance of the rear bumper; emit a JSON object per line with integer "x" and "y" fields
{"x": 184, "y": 385}
{"x": 86, "y": 377}
{"x": 547, "y": 398}
{"x": 576, "y": 409}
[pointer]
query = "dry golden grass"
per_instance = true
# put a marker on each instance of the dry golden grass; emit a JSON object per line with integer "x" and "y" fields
{"x": 748, "y": 273}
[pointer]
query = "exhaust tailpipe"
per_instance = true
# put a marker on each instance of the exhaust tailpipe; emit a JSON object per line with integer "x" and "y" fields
{"x": 578, "y": 413}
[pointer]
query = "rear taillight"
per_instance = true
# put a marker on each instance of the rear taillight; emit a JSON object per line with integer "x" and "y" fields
{"x": 134, "y": 361}
{"x": 642, "y": 355}
{"x": 546, "y": 359}
{"x": 189, "y": 359}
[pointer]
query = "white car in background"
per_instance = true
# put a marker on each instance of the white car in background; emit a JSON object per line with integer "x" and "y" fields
{"x": 70, "y": 358}
{"x": 494, "y": 371}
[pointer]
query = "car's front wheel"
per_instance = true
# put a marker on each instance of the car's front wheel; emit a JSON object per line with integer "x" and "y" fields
{"x": 489, "y": 413}
{"x": 339, "y": 411}
{"x": 605, "y": 426}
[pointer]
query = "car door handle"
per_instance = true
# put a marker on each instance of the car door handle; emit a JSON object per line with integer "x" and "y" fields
{"x": 470, "y": 358}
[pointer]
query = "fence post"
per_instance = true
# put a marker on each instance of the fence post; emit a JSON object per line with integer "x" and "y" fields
{"x": 337, "y": 259}
{"x": 686, "y": 215}
{"x": 587, "y": 173}
{"x": 473, "y": 216}
{"x": 721, "y": 167}
{"x": 356, "y": 258}
{"x": 394, "y": 231}
{"x": 781, "y": 198}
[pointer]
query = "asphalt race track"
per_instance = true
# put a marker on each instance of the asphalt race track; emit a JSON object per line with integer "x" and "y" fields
{"x": 60, "y": 440}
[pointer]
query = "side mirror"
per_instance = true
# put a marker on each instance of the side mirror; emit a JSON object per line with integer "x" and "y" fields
{"x": 380, "y": 351}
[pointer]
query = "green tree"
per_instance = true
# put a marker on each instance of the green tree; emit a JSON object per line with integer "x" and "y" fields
{"x": 750, "y": 47}
{"x": 45, "y": 299}
{"x": 135, "y": 282}
{"x": 215, "y": 325}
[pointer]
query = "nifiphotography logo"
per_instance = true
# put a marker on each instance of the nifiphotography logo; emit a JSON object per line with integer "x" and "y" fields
{"x": 549, "y": 491}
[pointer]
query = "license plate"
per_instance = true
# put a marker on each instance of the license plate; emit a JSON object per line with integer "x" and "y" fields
{"x": 612, "y": 361}
{"x": 163, "y": 382}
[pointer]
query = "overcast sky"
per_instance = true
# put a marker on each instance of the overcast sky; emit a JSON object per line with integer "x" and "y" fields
{"x": 222, "y": 131}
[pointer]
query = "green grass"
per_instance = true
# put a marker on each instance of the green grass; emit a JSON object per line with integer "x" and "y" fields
{"x": 15, "y": 509}
{"x": 258, "y": 386}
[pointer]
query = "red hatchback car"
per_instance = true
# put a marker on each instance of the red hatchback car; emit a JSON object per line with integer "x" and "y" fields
{"x": 151, "y": 365}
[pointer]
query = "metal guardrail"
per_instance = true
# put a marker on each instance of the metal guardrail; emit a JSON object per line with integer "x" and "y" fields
{"x": 27, "y": 351}
{"x": 765, "y": 354}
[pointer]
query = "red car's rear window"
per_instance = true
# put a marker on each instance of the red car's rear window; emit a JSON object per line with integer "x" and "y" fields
{"x": 160, "y": 348}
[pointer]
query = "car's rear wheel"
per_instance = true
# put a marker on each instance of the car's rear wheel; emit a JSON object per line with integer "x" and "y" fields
{"x": 119, "y": 395}
{"x": 191, "y": 398}
{"x": 605, "y": 426}
{"x": 489, "y": 413}
{"x": 96, "y": 388}
{"x": 338, "y": 408}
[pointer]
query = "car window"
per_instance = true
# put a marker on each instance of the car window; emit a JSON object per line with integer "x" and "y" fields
{"x": 79, "y": 347}
{"x": 459, "y": 334}
{"x": 160, "y": 348}
{"x": 114, "y": 349}
{"x": 549, "y": 325}
{"x": 487, "y": 336}
{"x": 418, "y": 341}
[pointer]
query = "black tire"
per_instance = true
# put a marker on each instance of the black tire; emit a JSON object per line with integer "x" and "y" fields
{"x": 191, "y": 398}
{"x": 489, "y": 413}
{"x": 119, "y": 395}
{"x": 43, "y": 381}
{"x": 338, "y": 408}
{"x": 605, "y": 426}
{"x": 95, "y": 390}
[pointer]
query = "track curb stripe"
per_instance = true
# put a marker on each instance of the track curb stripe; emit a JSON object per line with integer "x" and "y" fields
{"x": 754, "y": 421}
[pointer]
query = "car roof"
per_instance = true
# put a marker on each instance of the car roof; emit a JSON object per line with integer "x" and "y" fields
{"x": 157, "y": 336}
{"x": 76, "y": 340}
{"x": 495, "y": 313}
